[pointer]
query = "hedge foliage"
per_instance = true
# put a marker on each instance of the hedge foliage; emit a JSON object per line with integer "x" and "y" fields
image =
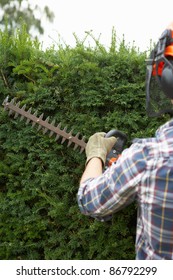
{"x": 88, "y": 89}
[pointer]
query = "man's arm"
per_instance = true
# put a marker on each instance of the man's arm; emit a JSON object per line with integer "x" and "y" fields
{"x": 92, "y": 170}
{"x": 96, "y": 150}
{"x": 102, "y": 193}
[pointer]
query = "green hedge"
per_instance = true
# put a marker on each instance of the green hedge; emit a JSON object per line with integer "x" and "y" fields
{"x": 88, "y": 89}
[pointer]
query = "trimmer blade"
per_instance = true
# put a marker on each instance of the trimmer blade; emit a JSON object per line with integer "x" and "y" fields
{"x": 14, "y": 109}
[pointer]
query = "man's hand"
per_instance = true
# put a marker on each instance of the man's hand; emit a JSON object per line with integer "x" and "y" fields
{"x": 98, "y": 146}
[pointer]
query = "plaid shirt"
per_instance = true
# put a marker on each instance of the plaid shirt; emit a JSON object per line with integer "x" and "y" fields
{"x": 144, "y": 173}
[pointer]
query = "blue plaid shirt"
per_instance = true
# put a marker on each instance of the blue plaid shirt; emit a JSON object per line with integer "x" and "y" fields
{"x": 144, "y": 173}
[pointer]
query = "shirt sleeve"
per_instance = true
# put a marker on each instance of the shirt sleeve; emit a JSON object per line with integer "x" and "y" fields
{"x": 116, "y": 188}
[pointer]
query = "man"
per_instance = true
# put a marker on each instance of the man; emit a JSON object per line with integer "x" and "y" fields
{"x": 144, "y": 172}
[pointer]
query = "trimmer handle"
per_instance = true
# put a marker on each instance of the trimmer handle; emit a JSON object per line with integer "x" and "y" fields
{"x": 117, "y": 148}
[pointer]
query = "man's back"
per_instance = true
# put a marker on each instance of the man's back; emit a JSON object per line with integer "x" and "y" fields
{"x": 155, "y": 198}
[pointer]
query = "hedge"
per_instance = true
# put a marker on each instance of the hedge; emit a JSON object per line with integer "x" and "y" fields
{"x": 87, "y": 89}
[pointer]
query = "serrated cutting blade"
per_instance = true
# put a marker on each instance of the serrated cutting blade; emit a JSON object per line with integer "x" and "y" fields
{"x": 14, "y": 109}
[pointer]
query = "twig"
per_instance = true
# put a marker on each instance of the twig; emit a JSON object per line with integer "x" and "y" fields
{"x": 4, "y": 79}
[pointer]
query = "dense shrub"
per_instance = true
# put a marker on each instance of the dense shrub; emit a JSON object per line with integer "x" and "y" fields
{"x": 88, "y": 89}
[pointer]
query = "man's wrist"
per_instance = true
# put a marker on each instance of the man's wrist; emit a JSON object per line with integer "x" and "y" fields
{"x": 93, "y": 157}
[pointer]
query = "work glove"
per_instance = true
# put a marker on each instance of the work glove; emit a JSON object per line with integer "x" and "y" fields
{"x": 99, "y": 146}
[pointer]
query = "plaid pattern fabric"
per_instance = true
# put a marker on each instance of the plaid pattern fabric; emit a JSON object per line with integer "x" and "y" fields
{"x": 144, "y": 173}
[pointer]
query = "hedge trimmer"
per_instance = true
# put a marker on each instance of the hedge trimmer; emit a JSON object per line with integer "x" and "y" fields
{"x": 14, "y": 109}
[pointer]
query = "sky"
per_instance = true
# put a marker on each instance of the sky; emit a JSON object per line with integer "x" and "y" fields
{"x": 139, "y": 21}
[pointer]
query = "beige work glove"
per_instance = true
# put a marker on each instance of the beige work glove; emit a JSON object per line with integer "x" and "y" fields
{"x": 99, "y": 146}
